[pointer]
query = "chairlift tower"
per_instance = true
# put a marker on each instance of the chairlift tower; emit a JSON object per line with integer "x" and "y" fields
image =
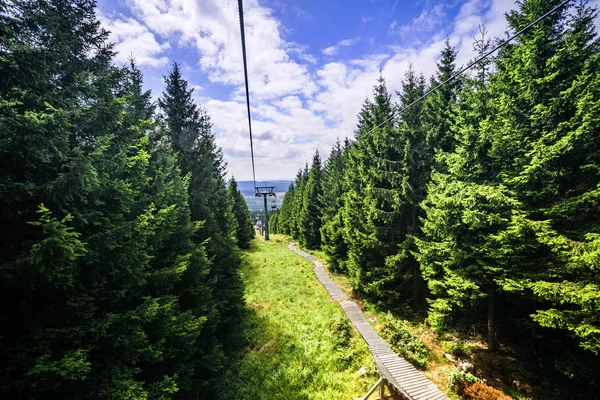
{"x": 265, "y": 191}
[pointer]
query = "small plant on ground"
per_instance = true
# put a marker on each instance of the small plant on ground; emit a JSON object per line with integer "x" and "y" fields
{"x": 468, "y": 386}
{"x": 458, "y": 380}
{"x": 458, "y": 349}
{"x": 340, "y": 331}
{"x": 405, "y": 343}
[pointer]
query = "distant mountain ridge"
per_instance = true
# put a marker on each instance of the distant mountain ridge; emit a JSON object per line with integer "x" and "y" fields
{"x": 247, "y": 187}
{"x": 255, "y": 203}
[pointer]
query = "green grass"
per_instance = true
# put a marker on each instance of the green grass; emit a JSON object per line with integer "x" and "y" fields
{"x": 298, "y": 345}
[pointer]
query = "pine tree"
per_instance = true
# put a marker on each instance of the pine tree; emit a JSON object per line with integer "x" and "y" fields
{"x": 298, "y": 204}
{"x": 437, "y": 112}
{"x": 371, "y": 211}
{"x": 190, "y": 135}
{"x": 285, "y": 216}
{"x": 332, "y": 234}
{"x": 244, "y": 227}
{"x": 310, "y": 217}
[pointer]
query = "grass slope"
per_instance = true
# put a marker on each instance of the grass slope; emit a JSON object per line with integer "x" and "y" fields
{"x": 300, "y": 345}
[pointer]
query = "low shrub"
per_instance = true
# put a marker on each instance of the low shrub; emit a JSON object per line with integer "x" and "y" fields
{"x": 468, "y": 386}
{"x": 340, "y": 331}
{"x": 458, "y": 349}
{"x": 458, "y": 380}
{"x": 481, "y": 391}
{"x": 404, "y": 343}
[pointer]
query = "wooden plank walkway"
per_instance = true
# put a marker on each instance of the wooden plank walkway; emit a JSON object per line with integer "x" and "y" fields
{"x": 399, "y": 373}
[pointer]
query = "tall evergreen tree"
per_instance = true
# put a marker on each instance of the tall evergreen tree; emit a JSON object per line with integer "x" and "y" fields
{"x": 503, "y": 134}
{"x": 332, "y": 233}
{"x": 298, "y": 202}
{"x": 550, "y": 104}
{"x": 371, "y": 203}
{"x": 438, "y": 110}
{"x": 310, "y": 218}
{"x": 416, "y": 168}
{"x": 285, "y": 217}
{"x": 244, "y": 227}
{"x": 190, "y": 135}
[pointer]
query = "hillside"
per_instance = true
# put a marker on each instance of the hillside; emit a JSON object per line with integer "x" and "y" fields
{"x": 254, "y": 203}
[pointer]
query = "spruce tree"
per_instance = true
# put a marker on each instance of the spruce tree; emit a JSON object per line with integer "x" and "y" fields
{"x": 510, "y": 159}
{"x": 298, "y": 202}
{"x": 190, "y": 135}
{"x": 285, "y": 216}
{"x": 244, "y": 227}
{"x": 437, "y": 112}
{"x": 310, "y": 217}
{"x": 372, "y": 205}
{"x": 332, "y": 235}
{"x": 416, "y": 169}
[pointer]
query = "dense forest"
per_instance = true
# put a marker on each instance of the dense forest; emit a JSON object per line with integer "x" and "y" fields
{"x": 119, "y": 260}
{"x": 479, "y": 207}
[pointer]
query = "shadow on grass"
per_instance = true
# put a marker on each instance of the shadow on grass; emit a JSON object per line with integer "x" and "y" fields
{"x": 289, "y": 352}
{"x": 260, "y": 371}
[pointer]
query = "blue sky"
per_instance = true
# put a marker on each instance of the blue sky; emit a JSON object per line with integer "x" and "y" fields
{"x": 311, "y": 62}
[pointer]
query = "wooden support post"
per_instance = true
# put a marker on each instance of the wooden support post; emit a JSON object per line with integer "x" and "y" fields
{"x": 373, "y": 389}
{"x": 382, "y": 390}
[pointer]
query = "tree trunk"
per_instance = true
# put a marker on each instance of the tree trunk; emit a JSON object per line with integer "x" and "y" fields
{"x": 490, "y": 323}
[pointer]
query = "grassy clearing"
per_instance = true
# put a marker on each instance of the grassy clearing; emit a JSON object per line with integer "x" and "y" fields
{"x": 300, "y": 345}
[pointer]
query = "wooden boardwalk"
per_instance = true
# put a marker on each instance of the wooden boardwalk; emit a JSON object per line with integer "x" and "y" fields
{"x": 410, "y": 383}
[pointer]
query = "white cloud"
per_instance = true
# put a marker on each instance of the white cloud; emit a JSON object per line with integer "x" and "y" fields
{"x": 332, "y": 50}
{"x": 132, "y": 38}
{"x": 299, "y": 103}
{"x": 367, "y": 19}
{"x": 329, "y": 51}
{"x": 424, "y": 22}
{"x": 212, "y": 27}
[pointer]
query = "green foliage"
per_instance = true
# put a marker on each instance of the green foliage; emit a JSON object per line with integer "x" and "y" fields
{"x": 373, "y": 208}
{"x": 284, "y": 224}
{"x": 332, "y": 200}
{"x": 54, "y": 255}
{"x": 340, "y": 330}
{"x": 244, "y": 227}
{"x": 309, "y": 220}
{"x": 119, "y": 261}
{"x": 107, "y": 286}
{"x": 458, "y": 379}
{"x": 458, "y": 349}
{"x": 190, "y": 135}
{"x": 405, "y": 343}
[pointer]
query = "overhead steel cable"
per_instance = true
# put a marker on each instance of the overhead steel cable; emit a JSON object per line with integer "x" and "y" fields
{"x": 241, "y": 9}
{"x": 471, "y": 65}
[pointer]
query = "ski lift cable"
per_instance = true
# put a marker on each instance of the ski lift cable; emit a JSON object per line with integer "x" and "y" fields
{"x": 472, "y": 64}
{"x": 241, "y": 9}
